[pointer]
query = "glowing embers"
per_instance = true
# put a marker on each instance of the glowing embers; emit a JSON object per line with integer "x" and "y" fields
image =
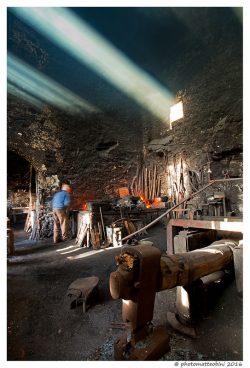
{"x": 84, "y": 206}
{"x": 176, "y": 112}
{"x": 81, "y": 41}
{"x": 145, "y": 200}
{"x": 34, "y": 87}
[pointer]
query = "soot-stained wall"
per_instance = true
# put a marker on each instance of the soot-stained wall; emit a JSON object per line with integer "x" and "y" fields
{"x": 98, "y": 153}
{"x": 209, "y": 136}
{"x": 94, "y": 153}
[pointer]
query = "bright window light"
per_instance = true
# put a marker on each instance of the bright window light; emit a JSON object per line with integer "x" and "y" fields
{"x": 176, "y": 112}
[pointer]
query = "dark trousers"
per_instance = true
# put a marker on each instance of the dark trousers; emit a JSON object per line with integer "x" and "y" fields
{"x": 60, "y": 216}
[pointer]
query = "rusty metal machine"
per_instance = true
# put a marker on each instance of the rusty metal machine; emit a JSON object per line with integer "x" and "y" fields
{"x": 143, "y": 271}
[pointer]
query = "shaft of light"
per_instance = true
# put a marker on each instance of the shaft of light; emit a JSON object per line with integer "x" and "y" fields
{"x": 15, "y": 91}
{"x": 36, "y": 84}
{"x": 80, "y": 40}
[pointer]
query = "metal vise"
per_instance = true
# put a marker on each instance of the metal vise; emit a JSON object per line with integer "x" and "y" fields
{"x": 136, "y": 281}
{"x": 142, "y": 271}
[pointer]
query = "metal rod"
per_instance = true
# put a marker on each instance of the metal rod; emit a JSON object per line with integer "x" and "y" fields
{"x": 103, "y": 229}
{"x": 226, "y": 179}
{"x": 167, "y": 212}
{"x": 178, "y": 204}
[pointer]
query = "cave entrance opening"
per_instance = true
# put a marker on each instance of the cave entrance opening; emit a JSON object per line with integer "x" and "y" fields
{"x": 21, "y": 192}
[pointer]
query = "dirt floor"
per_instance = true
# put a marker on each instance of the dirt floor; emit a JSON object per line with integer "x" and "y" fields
{"x": 42, "y": 327}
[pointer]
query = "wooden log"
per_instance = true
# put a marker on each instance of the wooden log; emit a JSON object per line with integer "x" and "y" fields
{"x": 183, "y": 268}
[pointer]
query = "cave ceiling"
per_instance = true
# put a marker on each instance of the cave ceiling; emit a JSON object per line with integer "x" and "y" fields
{"x": 118, "y": 62}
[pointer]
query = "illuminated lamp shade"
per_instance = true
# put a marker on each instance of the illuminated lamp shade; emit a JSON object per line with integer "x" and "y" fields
{"x": 176, "y": 112}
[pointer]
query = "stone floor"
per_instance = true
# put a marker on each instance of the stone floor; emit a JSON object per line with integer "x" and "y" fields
{"x": 41, "y": 327}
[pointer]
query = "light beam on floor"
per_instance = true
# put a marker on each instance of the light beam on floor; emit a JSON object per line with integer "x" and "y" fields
{"x": 84, "y": 255}
{"x": 71, "y": 251}
{"x": 63, "y": 249}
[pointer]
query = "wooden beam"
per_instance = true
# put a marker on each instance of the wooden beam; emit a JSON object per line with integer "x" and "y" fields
{"x": 181, "y": 269}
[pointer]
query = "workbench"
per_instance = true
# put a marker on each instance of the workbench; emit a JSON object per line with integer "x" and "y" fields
{"x": 229, "y": 224}
{"x": 18, "y": 211}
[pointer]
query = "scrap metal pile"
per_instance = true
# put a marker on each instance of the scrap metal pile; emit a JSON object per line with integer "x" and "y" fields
{"x": 40, "y": 224}
{"x": 129, "y": 202}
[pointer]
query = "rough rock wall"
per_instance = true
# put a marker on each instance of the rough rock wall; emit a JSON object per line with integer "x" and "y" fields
{"x": 94, "y": 153}
{"x": 209, "y": 136}
{"x": 99, "y": 153}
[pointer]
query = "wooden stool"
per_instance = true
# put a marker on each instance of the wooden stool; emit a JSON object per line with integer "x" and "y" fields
{"x": 80, "y": 290}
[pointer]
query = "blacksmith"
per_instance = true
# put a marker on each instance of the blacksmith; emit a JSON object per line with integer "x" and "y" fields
{"x": 60, "y": 205}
